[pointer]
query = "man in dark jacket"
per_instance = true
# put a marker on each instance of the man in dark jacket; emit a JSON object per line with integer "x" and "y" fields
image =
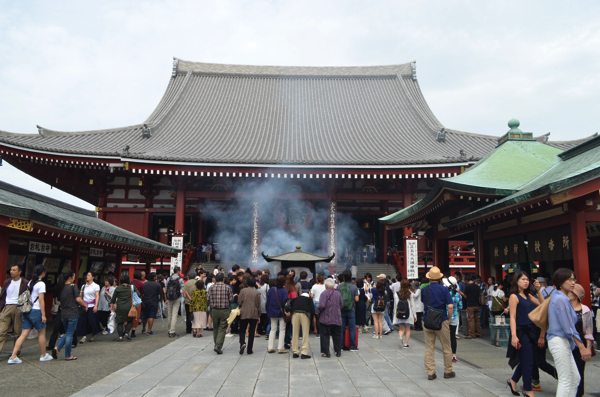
{"x": 302, "y": 310}
{"x": 153, "y": 294}
{"x": 11, "y": 290}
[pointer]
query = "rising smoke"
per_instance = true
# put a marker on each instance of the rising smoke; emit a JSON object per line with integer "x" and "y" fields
{"x": 232, "y": 221}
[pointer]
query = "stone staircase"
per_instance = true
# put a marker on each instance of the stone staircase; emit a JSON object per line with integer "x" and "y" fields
{"x": 375, "y": 269}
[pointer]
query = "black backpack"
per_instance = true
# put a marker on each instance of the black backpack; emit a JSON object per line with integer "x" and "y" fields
{"x": 306, "y": 286}
{"x": 173, "y": 289}
{"x": 403, "y": 308}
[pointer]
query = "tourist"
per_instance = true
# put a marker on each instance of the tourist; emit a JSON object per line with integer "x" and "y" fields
{"x": 121, "y": 304}
{"x": 389, "y": 305}
{"x": 188, "y": 290}
{"x": 264, "y": 318}
{"x": 562, "y": 333}
{"x": 418, "y": 305}
{"x": 104, "y": 303}
{"x": 292, "y": 290}
{"x": 405, "y": 315}
{"x": 585, "y": 330}
{"x": 315, "y": 294}
{"x": 305, "y": 285}
{"x": 137, "y": 281}
{"x": 548, "y": 289}
{"x": 482, "y": 308}
{"x": 361, "y": 306}
{"x": 472, "y": 292}
{"x": 173, "y": 295}
{"x": 437, "y": 298}
{"x": 70, "y": 301}
{"x": 350, "y": 294}
{"x": 198, "y": 308}
{"x": 302, "y": 312}
{"x": 456, "y": 305}
{"x": 275, "y": 301}
{"x": 250, "y": 310}
{"x": 9, "y": 297}
{"x": 90, "y": 292}
{"x": 379, "y": 301}
{"x": 153, "y": 295}
{"x": 35, "y": 318}
{"x": 522, "y": 337}
{"x": 330, "y": 319}
{"x": 219, "y": 300}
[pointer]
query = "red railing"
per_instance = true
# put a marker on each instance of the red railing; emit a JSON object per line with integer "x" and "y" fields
{"x": 462, "y": 258}
{"x": 189, "y": 256}
{"x": 423, "y": 258}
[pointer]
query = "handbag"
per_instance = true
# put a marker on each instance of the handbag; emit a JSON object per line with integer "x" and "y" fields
{"x": 539, "y": 315}
{"x": 132, "y": 310}
{"x": 434, "y": 318}
{"x": 135, "y": 298}
{"x": 286, "y": 318}
{"x": 55, "y": 307}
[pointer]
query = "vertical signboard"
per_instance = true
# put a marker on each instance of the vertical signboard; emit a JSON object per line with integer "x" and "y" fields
{"x": 255, "y": 234}
{"x": 411, "y": 255}
{"x": 177, "y": 242}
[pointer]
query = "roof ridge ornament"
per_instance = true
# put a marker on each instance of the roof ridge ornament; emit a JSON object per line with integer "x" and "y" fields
{"x": 175, "y": 65}
{"x": 413, "y": 67}
{"x": 40, "y": 130}
{"x": 126, "y": 150}
{"x": 146, "y": 131}
{"x": 515, "y": 134}
{"x": 463, "y": 154}
{"x": 441, "y": 135}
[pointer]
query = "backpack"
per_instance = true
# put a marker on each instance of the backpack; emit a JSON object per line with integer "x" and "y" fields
{"x": 305, "y": 287}
{"x": 24, "y": 303}
{"x": 346, "y": 297}
{"x": 173, "y": 289}
{"x": 403, "y": 308}
{"x": 379, "y": 305}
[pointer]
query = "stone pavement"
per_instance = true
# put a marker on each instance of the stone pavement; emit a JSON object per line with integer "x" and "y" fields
{"x": 189, "y": 366}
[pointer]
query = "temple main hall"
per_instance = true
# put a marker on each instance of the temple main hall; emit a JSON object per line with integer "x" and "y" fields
{"x": 253, "y": 159}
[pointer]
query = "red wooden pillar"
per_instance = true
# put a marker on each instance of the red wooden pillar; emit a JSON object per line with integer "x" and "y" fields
{"x": 118, "y": 264}
{"x": 102, "y": 204}
{"x": 483, "y": 268}
{"x": 75, "y": 256}
{"x": 4, "y": 243}
{"x": 180, "y": 210}
{"x": 407, "y": 201}
{"x": 581, "y": 265}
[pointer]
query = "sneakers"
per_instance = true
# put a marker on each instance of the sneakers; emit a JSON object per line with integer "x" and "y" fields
{"x": 105, "y": 332}
{"x": 82, "y": 340}
{"x": 536, "y": 387}
{"x": 405, "y": 346}
{"x": 354, "y": 349}
{"x": 454, "y": 360}
{"x": 229, "y": 335}
{"x": 92, "y": 338}
{"x": 318, "y": 336}
{"x": 15, "y": 360}
{"x": 389, "y": 331}
{"x": 375, "y": 337}
{"x": 242, "y": 348}
{"x": 47, "y": 357}
{"x": 218, "y": 350}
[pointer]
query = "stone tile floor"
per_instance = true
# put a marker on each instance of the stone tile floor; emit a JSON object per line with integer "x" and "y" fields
{"x": 189, "y": 366}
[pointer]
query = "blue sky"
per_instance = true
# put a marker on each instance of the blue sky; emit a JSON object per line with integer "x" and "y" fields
{"x": 72, "y": 65}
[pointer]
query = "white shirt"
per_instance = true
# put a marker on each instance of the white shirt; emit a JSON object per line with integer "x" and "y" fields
{"x": 395, "y": 287}
{"x": 354, "y": 270}
{"x": 12, "y": 292}
{"x": 317, "y": 290}
{"x": 38, "y": 288}
{"x": 498, "y": 294}
{"x": 89, "y": 293}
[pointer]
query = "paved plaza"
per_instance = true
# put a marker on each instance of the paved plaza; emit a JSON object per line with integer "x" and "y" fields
{"x": 189, "y": 366}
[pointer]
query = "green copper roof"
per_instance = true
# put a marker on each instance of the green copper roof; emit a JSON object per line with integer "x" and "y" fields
{"x": 578, "y": 165}
{"x": 502, "y": 172}
{"x": 506, "y": 169}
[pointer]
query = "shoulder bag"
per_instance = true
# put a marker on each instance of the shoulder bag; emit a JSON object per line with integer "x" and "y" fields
{"x": 132, "y": 310}
{"x": 55, "y": 307}
{"x": 539, "y": 315}
{"x": 433, "y": 320}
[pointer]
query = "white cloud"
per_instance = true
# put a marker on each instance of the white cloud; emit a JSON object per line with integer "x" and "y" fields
{"x": 70, "y": 65}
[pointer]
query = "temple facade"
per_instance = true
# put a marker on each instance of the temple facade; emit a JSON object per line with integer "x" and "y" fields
{"x": 264, "y": 158}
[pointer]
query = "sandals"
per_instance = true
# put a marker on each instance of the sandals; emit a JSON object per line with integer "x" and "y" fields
{"x": 72, "y": 358}
{"x": 326, "y": 355}
{"x": 55, "y": 353}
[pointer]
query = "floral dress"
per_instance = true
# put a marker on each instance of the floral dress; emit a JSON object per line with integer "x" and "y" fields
{"x": 199, "y": 305}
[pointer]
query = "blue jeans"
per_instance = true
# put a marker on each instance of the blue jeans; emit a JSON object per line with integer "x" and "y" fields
{"x": 481, "y": 314}
{"x": 349, "y": 319}
{"x": 67, "y": 340}
{"x": 386, "y": 317}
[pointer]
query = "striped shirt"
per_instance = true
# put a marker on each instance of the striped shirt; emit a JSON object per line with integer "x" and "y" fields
{"x": 220, "y": 296}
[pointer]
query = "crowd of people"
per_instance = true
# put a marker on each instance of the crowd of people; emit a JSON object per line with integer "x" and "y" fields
{"x": 287, "y": 309}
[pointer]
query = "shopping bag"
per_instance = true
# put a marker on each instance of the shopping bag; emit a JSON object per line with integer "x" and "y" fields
{"x": 112, "y": 323}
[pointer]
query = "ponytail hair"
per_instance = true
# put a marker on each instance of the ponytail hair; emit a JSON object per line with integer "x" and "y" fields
{"x": 37, "y": 272}
{"x": 60, "y": 285}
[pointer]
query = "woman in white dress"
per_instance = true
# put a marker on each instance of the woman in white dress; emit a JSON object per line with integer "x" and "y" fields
{"x": 406, "y": 316}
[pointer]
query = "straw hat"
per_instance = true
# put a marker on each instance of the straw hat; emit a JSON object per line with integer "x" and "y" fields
{"x": 579, "y": 291}
{"x": 434, "y": 273}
